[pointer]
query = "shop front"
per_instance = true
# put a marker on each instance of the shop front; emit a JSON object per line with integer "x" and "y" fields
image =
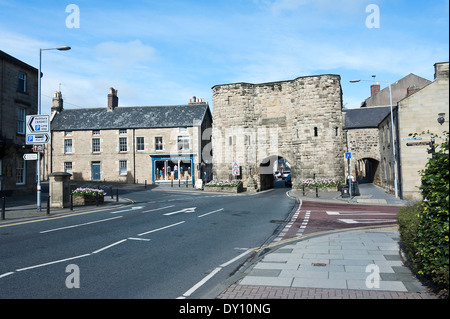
{"x": 172, "y": 168}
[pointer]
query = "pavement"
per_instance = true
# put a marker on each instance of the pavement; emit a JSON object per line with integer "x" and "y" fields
{"x": 357, "y": 263}
{"x": 362, "y": 263}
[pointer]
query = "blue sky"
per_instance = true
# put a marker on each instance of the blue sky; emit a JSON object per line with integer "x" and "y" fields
{"x": 165, "y": 52}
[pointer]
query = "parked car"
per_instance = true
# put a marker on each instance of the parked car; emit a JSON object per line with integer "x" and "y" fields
{"x": 288, "y": 181}
{"x": 285, "y": 174}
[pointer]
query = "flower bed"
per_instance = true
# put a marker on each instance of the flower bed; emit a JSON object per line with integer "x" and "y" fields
{"x": 88, "y": 196}
{"x": 225, "y": 186}
{"x": 323, "y": 184}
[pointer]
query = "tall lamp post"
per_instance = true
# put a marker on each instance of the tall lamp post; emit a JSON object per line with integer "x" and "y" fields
{"x": 393, "y": 132}
{"x": 59, "y": 48}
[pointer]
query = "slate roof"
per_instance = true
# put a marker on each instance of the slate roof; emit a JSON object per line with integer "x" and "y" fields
{"x": 369, "y": 117}
{"x": 130, "y": 117}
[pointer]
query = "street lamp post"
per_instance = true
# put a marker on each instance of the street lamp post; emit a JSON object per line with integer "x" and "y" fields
{"x": 38, "y": 187}
{"x": 393, "y": 132}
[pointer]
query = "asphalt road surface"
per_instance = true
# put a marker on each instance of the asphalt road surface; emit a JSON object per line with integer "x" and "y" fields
{"x": 165, "y": 244}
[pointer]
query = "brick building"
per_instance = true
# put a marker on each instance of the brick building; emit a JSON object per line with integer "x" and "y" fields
{"x": 18, "y": 98}
{"x": 153, "y": 144}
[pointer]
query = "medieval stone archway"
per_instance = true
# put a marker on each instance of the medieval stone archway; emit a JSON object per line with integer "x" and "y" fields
{"x": 367, "y": 170}
{"x": 271, "y": 165}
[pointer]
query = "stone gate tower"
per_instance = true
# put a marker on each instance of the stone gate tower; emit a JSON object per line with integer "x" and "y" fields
{"x": 299, "y": 120}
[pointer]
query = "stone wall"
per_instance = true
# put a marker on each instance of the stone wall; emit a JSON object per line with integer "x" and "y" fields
{"x": 300, "y": 120}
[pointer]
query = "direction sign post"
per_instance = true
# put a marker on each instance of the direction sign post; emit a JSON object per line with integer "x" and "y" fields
{"x": 38, "y": 129}
{"x": 30, "y": 157}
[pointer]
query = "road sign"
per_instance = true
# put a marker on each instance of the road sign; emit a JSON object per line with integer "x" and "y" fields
{"x": 38, "y": 148}
{"x": 235, "y": 169}
{"x": 348, "y": 155}
{"x": 37, "y": 129}
{"x": 30, "y": 157}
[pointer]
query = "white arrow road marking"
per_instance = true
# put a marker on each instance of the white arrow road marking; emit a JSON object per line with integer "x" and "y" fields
{"x": 154, "y": 210}
{"x": 186, "y": 210}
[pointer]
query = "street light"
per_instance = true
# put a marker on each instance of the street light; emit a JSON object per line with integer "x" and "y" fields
{"x": 59, "y": 48}
{"x": 393, "y": 131}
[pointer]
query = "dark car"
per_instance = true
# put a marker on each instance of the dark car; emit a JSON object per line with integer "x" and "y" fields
{"x": 288, "y": 181}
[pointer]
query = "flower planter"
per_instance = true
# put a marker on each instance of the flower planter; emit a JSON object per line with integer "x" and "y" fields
{"x": 87, "y": 200}
{"x": 224, "y": 189}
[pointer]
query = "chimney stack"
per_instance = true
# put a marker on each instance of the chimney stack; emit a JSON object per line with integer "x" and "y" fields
{"x": 57, "y": 105}
{"x": 196, "y": 100}
{"x": 374, "y": 89}
{"x": 113, "y": 100}
{"x": 411, "y": 90}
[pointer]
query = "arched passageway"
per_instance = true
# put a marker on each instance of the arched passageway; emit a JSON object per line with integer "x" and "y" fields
{"x": 274, "y": 171}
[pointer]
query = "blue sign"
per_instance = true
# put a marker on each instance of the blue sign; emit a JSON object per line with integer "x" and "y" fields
{"x": 30, "y": 138}
{"x": 348, "y": 155}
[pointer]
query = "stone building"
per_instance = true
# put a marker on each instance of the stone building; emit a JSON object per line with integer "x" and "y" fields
{"x": 153, "y": 144}
{"x": 372, "y": 156}
{"x": 416, "y": 113}
{"x": 18, "y": 98}
{"x": 299, "y": 120}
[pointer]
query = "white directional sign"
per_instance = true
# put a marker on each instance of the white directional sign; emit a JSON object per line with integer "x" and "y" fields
{"x": 38, "y": 129}
{"x": 30, "y": 157}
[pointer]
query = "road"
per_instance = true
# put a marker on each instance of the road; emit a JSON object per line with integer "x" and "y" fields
{"x": 165, "y": 244}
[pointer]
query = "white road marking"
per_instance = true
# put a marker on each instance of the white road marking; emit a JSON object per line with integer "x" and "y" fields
{"x": 141, "y": 239}
{"x": 186, "y": 210}
{"x": 211, "y": 274}
{"x": 53, "y": 262}
{"x": 79, "y": 225}
{"x": 127, "y": 210}
{"x": 158, "y": 229}
{"x": 156, "y": 209}
{"x": 365, "y": 221}
{"x": 216, "y": 211}
{"x": 109, "y": 246}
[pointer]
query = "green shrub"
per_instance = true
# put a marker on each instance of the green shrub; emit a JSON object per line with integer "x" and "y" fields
{"x": 408, "y": 223}
{"x": 432, "y": 251}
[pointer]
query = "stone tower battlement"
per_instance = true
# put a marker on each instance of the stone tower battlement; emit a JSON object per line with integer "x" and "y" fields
{"x": 300, "y": 120}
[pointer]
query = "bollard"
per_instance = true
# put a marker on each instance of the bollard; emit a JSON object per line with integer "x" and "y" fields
{"x": 111, "y": 192}
{"x": 303, "y": 189}
{"x": 179, "y": 183}
{"x": 96, "y": 198}
{"x": 3, "y": 207}
{"x": 145, "y": 184}
{"x": 186, "y": 182}
{"x": 317, "y": 191}
{"x": 117, "y": 195}
{"x": 171, "y": 183}
{"x": 48, "y": 205}
{"x": 71, "y": 201}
